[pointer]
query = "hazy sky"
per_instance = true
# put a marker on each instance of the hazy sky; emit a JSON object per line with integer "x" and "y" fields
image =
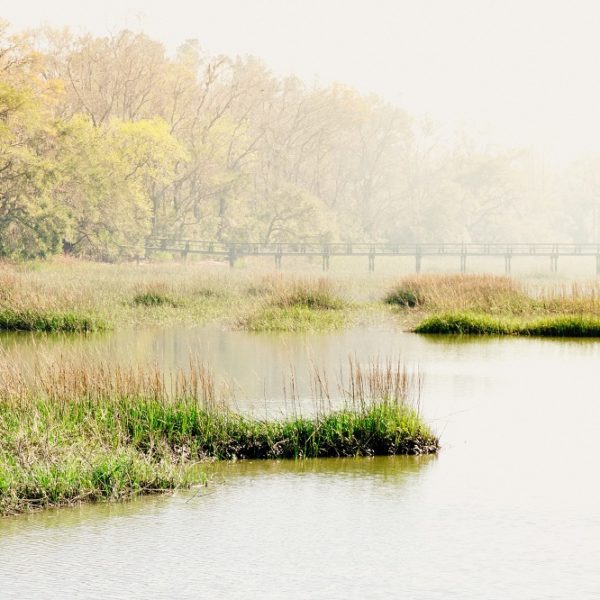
{"x": 522, "y": 72}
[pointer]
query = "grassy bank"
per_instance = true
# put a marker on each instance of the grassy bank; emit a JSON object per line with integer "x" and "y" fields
{"x": 78, "y": 434}
{"x": 481, "y": 324}
{"x": 493, "y": 305}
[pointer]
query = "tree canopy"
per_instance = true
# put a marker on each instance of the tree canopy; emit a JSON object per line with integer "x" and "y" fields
{"x": 104, "y": 141}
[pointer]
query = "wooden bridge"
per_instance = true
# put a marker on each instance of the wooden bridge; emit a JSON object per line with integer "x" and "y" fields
{"x": 235, "y": 250}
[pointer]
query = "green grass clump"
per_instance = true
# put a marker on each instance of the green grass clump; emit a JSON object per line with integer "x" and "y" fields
{"x": 381, "y": 428}
{"x": 465, "y": 323}
{"x": 153, "y": 299}
{"x": 101, "y": 475}
{"x": 154, "y": 295}
{"x": 294, "y": 319}
{"x": 301, "y": 305}
{"x": 319, "y": 297}
{"x": 563, "y": 326}
{"x": 48, "y": 321}
{"x": 478, "y": 324}
{"x": 401, "y": 296}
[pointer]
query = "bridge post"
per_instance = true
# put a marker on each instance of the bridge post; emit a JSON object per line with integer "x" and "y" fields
{"x": 185, "y": 251}
{"x": 278, "y": 257}
{"x": 554, "y": 263}
{"x": 325, "y": 258}
{"x": 418, "y": 259}
{"x": 232, "y": 255}
{"x": 507, "y": 260}
{"x": 371, "y": 259}
{"x": 598, "y": 265}
{"x": 463, "y": 262}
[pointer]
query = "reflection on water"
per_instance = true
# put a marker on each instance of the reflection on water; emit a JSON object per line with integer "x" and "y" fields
{"x": 509, "y": 509}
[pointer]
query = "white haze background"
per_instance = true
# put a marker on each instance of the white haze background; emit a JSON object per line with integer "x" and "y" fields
{"x": 511, "y": 72}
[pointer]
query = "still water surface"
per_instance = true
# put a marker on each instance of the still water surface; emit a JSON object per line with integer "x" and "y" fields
{"x": 509, "y": 509}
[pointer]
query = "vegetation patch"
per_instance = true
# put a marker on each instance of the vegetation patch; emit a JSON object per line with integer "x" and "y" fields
{"x": 156, "y": 295}
{"x": 48, "y": 321}
{"x": 307, "y": 294}
{"x": 478, "y": 324}
{"x": 403, "y": 296}
{"x": 563, "y": 326}
{"x": 293, "y": 319}
{"x": 302, "y": 305}
{"x": 75, "y": 435}
{"x": 70, "y": 478}
{"x": 487, "y": 293}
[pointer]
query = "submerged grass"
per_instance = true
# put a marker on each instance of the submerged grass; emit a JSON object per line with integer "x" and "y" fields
{"x": 75, "y": 434}
{"x": 481, "y": 324}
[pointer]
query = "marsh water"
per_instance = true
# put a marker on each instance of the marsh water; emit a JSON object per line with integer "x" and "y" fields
{"x": 510, "y": 508}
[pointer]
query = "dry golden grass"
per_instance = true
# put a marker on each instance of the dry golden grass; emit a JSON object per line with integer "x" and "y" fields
{"x": 157, "y": 292}
{"x": 496, "y": 295}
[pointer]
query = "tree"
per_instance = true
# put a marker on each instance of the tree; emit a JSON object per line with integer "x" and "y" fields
{"x": 108, "y": 177}
{"x": 31, "y": 223}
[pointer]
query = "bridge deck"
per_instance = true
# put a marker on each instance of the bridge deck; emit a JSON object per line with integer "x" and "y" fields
{"x": 234, "y": 250}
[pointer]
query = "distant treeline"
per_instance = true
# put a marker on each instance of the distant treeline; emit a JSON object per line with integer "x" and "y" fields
{"x": 104, "y": 141}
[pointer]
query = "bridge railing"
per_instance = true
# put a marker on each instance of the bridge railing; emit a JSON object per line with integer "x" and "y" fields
{"x": 368, "y": 249}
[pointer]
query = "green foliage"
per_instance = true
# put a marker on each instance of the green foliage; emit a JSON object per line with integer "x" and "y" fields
{"x": 72, "y": 477}
{"x": 154, "y": 294}
{"x": 106, "y": 140}
{"x": 31, "y": 221}
{"x": 564, "y": 326}
{"x": 107, "y": 177}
